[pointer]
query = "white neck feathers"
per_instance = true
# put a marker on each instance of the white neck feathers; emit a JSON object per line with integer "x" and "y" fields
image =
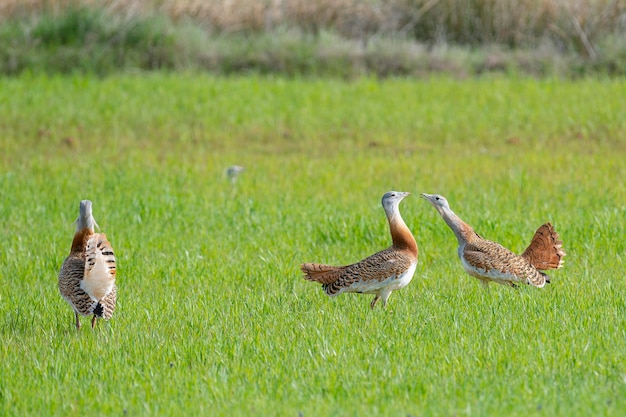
{"x": 463, "y": 231}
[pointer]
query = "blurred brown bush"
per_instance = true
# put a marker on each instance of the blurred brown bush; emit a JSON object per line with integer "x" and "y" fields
{"x": 474, "y": 22}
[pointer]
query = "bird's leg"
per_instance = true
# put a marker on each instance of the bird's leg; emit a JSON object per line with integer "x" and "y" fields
{"x": 77, "y": 321}
{"x": 375, "y": 300}
{"x": 385, "y": 297}
{"x": 93, "y": 322}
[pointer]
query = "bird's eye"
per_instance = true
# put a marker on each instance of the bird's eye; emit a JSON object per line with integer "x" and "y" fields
{"x": 437, "y": 198}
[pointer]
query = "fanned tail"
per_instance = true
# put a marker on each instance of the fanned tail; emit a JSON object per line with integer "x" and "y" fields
{"x": 545, "y": 250}
{"x": 324, "y": 274}
{"x": 100, "y": 268}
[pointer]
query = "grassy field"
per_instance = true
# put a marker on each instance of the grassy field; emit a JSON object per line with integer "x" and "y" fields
{"x": 213, "y": 316}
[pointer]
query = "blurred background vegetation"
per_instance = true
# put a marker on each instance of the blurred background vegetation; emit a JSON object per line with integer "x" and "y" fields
{"x": 345, "y": 38}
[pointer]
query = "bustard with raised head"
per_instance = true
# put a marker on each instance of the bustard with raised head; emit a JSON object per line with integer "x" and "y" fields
{"x": 381, "y": 273}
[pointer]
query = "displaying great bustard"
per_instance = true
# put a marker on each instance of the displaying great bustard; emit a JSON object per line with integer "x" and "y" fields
{"x": 380, "y": 273}
{"x": 490, "y": 261}
{"x": 87, "y": 276}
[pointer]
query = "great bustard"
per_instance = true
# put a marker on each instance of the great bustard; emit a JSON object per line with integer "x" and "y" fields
{"x": 87, "y": 276}
{"x": 490, "y": 261}
{"x": 380, "y": 273}
{"x": 233, "y": 172}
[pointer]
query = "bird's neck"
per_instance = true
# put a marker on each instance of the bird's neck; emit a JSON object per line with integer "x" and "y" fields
{"x": 401, "y": 234}
{"x": 80, "y": 239}
{"x": 463, "y": 231}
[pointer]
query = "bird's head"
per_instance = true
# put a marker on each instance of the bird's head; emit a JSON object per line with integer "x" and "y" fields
{"x": 438, "y": 201}
{"x": 85, "y": 219}
{"x": 392, "y": 199}
{"x": 234, "y": 171}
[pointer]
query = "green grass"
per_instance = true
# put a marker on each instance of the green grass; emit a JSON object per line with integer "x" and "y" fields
{"x": 213, "y": 316}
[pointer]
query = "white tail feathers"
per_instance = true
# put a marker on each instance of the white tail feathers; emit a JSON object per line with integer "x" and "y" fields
{"x": 99, "y": 267}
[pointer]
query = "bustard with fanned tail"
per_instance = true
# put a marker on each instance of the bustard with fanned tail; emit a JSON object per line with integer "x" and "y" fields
{"x": 489, "y": 261}
{"x": 380, "y": 273}
{"x": 87, "y": 276}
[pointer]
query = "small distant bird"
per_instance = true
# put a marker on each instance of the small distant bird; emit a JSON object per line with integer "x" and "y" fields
{"x": 87, "y": 276}
{"x": 233, "y": 172}
{"x": 490, "y": 261}
{"x": 380, "y": 273}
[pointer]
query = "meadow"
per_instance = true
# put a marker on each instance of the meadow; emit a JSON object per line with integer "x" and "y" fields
{"x": 213, "y": 315}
